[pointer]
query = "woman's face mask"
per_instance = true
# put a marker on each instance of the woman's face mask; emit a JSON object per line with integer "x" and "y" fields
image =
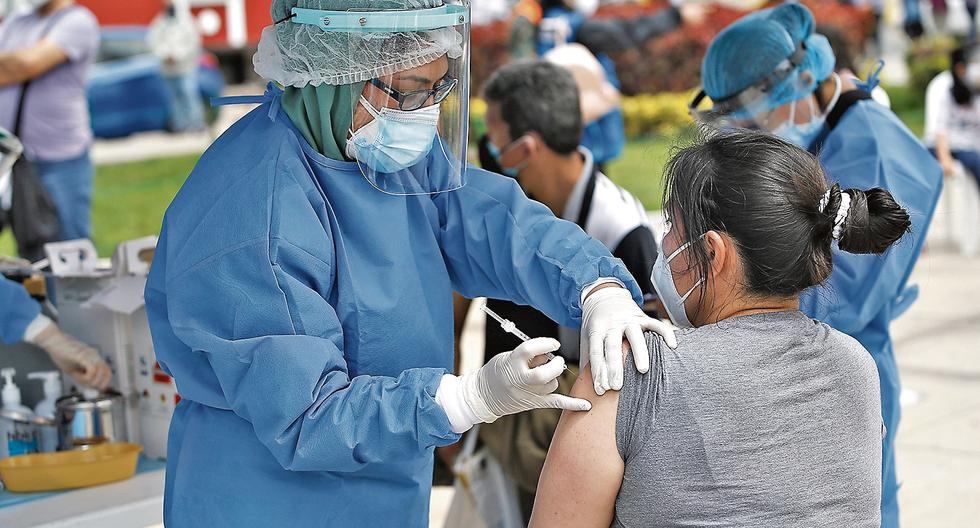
{"x": 395, "y": 139}
{"x": 663, "y": 282}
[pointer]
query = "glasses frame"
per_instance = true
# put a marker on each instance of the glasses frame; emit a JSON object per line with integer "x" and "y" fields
{"x": 438, "y": 93}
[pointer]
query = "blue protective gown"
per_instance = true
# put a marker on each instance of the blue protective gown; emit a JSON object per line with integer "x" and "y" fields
{"x": 17, "y": 310}
{"x": 870, "y": 147}
{"x": 307, "y": 320}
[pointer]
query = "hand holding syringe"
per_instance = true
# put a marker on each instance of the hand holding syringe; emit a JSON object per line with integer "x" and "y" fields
{"x": 508, "y": 326}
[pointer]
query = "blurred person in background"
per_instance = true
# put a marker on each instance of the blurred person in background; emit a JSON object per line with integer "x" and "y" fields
{"x": 534, "y": 125}
{"x": 45, "y": 56}
{"x": 953, "y": 112}
{"x": 770, "y": 70}
{"x": 174, "y": 39}
{"x": 946, "y": 21}
{"x": 566, "y": 21}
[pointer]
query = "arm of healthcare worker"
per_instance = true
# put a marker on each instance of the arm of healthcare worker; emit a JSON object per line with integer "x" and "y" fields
{"x": 499, "y": 243}
{"x": 17, "y": 311}
{"x": 250, "y": 328}
{"x": 584, "y": 464}
{"x": 21, "y": 320}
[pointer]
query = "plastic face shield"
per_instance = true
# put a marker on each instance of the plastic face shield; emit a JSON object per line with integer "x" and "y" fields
{"x": 751, "y": 108}
{"x": 409, "y": 124}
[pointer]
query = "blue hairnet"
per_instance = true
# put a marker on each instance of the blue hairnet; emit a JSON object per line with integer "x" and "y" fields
{"x": 747, "y": 51}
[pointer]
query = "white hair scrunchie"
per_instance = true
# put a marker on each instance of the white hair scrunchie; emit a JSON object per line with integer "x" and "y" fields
{"x": 842, "y": 211}
{"x": 824, "y": 201}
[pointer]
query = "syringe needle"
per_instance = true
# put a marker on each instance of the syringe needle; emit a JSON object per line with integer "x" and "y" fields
{"x": 508, "y": 326}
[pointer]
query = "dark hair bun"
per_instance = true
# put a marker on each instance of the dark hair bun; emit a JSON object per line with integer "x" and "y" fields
{"x": 873, "y": 223}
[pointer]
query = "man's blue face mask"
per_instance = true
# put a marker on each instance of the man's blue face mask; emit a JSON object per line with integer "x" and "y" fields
{"x": 496, "y": 153}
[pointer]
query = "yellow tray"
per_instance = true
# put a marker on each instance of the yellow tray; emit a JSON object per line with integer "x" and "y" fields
{"x": 79, "y": 468}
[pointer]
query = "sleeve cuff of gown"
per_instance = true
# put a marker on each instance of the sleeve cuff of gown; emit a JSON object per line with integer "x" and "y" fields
{"x": 603, "y": 280}
{"x": 37, "y": 326}
{"x": 449, "y": 396}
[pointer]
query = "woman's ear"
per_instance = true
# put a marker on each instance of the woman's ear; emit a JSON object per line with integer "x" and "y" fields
{"x": 719, "y": 250}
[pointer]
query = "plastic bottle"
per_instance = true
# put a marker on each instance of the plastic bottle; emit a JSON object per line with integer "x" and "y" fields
{"x": 18, "y": 433}
{"x": 11, "y": 392}
{"x": 47, "y": 434}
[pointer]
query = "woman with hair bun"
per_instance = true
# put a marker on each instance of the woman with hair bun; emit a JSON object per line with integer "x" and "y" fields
{"x": 761, "y": 416}
{"x": 772, "y": 70}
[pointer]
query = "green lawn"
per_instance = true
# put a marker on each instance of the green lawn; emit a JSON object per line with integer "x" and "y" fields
{"x": 640, "y": 168}
{"x": 129, "y": 200}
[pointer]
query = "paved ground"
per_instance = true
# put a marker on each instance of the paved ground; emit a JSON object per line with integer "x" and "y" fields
{"x": 938, "y": 347}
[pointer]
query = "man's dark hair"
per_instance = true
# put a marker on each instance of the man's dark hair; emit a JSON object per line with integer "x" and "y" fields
{"x": 537, "y": 96}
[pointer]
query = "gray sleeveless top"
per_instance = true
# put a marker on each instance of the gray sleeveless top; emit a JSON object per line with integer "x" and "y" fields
{"x": 764, "y": 420}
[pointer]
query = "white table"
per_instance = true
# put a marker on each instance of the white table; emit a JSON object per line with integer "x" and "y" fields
{"x": 132, "y": 503}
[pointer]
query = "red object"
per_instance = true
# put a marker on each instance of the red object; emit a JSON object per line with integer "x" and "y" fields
{"x": 160, "y": 376}
{"x": 142, "y": 13}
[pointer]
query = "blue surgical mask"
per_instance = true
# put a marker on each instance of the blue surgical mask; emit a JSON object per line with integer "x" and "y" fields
{"x": 395, "y": 139}
{"x": 663, "y": 282}
{"x": 804, "y": 134}
{"x": 495, "y": 153}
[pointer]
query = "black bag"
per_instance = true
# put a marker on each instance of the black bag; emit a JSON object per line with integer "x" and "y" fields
{"x": 33, "y": 216}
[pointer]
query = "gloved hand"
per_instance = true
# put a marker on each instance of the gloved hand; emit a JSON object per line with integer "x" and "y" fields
{"x": 608, "y": 316}
{"x": 508, "y": 384}
{"x": 80, "y": 361}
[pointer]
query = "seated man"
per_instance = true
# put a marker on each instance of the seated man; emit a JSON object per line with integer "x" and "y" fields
{"x": 534, "y": 126}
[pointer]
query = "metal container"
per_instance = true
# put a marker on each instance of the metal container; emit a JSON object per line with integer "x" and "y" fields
{"x": 19, "y": 432}
{"x": 85, "y": 422}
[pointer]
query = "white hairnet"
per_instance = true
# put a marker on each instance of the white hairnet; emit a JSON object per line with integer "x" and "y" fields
{"x": 300, "y": 54}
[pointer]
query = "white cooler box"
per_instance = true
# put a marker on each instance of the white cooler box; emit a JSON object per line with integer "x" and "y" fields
{"x": 101, "y": 303}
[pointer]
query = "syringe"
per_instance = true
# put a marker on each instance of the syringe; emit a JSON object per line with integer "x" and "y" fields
{"x": 508, "y": 326}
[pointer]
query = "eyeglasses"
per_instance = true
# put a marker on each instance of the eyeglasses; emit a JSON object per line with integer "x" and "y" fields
{"x": 409, "y": 101}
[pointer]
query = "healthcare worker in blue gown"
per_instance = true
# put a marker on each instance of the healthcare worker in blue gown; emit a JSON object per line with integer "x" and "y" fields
{"x": 301, "y": 292}
{"x": 769, "y": 70}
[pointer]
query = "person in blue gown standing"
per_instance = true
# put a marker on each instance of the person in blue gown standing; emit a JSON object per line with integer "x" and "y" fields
{"x": 301, "y": 292}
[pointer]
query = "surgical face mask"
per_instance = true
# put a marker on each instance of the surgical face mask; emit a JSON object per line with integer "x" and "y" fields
{"x": 394, "y": 140}
{"x": 663, "y": 282}
{"x": 496, "y": 153}
{"x": 804, "y": 134}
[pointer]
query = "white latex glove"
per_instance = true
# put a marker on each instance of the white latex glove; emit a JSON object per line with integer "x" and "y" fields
{"x": 80, "y": 361}
{"x": 609, "y": 315}
{"x": 507, "y": 384}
